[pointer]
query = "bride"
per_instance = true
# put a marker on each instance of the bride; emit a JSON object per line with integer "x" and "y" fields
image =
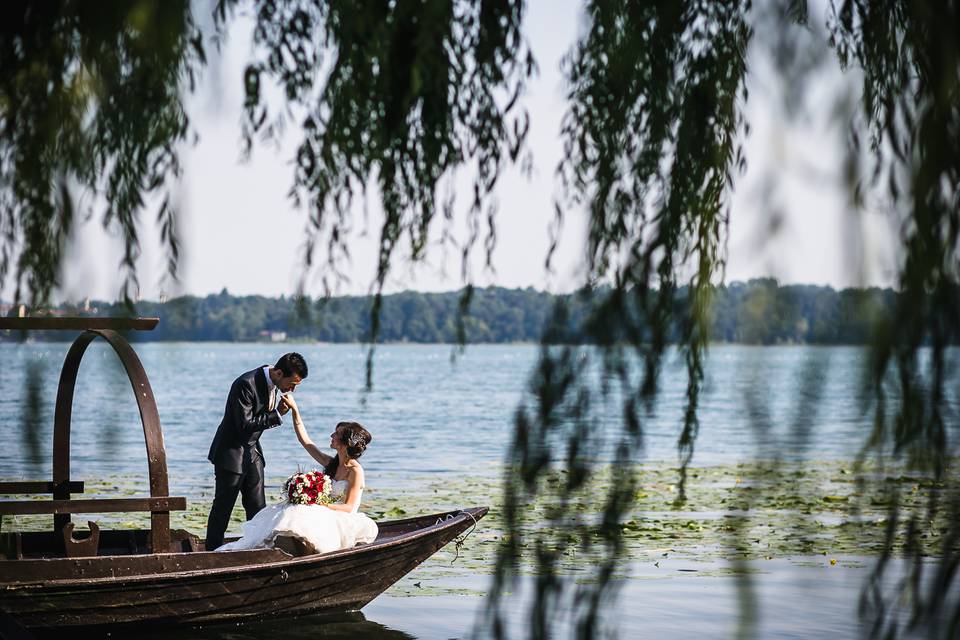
{"x": 301, "y": 529}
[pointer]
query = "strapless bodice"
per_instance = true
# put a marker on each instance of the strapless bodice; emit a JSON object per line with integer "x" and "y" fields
{"x": 338, "y": 490}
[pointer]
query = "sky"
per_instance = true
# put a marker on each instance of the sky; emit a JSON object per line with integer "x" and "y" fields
{"x": 240, "y": 231}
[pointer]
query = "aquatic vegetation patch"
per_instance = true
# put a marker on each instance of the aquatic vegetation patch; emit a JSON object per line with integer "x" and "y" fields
{"x": 746, "y": 512}
{"x": 755, "y": 511}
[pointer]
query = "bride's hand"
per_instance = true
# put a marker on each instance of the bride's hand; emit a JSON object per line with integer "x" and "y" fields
{"x": 291, "y": 403}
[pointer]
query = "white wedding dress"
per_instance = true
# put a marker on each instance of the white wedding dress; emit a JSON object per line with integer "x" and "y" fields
{"x": 318, "y": 528}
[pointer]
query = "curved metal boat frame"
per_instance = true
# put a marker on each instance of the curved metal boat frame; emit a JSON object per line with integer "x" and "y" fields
{"x": 160, "y": 503}
{"x": 149, "y": 417}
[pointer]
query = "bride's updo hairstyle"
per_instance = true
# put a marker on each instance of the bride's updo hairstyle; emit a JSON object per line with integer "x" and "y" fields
{"x": 356, "y": 437}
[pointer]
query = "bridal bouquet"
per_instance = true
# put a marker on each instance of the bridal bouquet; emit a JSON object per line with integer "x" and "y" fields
{"x": 308, "y": 487}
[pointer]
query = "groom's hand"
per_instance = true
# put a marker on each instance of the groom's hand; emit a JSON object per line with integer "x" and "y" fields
{"x": 283, "y": 408}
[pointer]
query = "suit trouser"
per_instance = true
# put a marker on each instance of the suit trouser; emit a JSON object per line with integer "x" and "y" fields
{"x": 249, "y": 484}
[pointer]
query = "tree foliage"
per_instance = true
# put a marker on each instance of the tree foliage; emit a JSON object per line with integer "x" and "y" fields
{"x": 651, "y": 142}
{"x": 910, "y": 59}
{"x": 411, "y": 93}
{"x": 91, "y": 105}
{"x": 758, "y": 312}
{"x": 399, "y": 96}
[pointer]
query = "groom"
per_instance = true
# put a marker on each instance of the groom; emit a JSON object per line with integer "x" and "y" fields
{"x": 253, "y": 406}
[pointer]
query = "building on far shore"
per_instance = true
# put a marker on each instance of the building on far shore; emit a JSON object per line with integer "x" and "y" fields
{"x": 18, "y": 310}
{"x": 273, "y": 336}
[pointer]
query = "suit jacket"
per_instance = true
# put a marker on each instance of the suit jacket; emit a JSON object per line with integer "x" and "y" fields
{"x": 245, "y": 417}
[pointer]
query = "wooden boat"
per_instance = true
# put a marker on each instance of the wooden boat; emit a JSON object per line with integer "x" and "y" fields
{"x": 163, "y": 576}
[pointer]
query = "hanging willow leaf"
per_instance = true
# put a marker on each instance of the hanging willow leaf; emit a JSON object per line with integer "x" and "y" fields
{"x": 90, "y": 102}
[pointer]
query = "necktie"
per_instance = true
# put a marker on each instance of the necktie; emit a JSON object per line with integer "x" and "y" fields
{"x": 273, "y": 399}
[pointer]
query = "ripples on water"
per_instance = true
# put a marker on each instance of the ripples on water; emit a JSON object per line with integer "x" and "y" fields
{"x": 427, "y": 413}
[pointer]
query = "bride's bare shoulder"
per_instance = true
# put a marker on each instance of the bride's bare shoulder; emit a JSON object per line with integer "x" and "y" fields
{"x": 354, "y": 468}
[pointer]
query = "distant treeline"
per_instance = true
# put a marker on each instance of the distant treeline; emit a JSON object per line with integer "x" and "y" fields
{"x": 756, "y": 312}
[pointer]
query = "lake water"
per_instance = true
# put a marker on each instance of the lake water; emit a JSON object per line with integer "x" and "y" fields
{"x": 425, "y": 412}
{"x": 430, "y": 415}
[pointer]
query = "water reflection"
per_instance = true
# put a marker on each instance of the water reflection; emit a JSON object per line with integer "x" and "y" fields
{"x": 353, "y": 625}
{"x": 33, "y": 411}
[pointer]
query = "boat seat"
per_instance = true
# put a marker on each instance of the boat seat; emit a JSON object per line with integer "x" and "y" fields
{"x": 92, "y": 505}
{"x": 27, "y": 487}
{"x": 157, "y": 506}
{"x": 21, "y": 487}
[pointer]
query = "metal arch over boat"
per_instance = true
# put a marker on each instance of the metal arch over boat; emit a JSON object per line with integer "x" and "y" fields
{"x": 149, "y": 417}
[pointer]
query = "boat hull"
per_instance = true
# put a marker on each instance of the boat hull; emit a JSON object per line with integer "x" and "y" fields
{"x": 269, "y": 584}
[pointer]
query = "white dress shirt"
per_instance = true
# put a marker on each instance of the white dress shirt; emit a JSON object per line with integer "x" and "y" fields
{"x": 275, "y": 393}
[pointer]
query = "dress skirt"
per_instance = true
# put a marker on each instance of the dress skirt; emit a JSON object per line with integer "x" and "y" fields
{"x": 318, "y": 528}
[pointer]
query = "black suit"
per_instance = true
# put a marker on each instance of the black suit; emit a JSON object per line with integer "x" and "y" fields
{"x": 236, "y": 453}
